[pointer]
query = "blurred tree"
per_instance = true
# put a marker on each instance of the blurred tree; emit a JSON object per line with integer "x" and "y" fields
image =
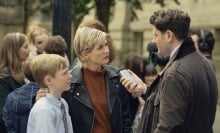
{"x": 80, "y": 8}
{"x": 29, "y": 7}
{"x": 104, "y": 9}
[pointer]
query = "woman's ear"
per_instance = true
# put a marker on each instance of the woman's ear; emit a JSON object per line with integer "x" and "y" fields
{"x": 84, "y": 55}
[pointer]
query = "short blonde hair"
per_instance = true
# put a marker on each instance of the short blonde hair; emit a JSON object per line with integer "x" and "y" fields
{"x": 46, "y": 64}
{"x": 85, "y": 39}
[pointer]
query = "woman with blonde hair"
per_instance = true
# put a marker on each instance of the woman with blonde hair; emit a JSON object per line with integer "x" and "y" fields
{"x": 13, "y": 51}
{"x": 97, "y": 100}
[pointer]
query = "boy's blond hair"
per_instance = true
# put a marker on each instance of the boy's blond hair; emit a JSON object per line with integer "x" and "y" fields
{"x": 46, "y": 64}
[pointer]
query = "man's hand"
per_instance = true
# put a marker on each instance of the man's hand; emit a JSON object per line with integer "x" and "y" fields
{"x": 136, "y": 89}
{"x": 41, "y": 92}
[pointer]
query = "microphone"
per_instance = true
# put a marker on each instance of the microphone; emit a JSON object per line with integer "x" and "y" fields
{"x": 152, "y": 47}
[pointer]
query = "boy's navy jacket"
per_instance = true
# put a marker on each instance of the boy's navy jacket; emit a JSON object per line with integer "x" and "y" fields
{"x": 17, "y": 107}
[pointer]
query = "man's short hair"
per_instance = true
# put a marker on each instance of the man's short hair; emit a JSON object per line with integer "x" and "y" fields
{"x": 174, "y": 20}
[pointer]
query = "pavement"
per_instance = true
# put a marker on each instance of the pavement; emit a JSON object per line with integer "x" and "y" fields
{"x": 216, "y": 126}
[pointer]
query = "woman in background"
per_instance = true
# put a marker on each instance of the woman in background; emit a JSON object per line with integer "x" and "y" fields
{"x": 134, "y": 62}
{"x": 13, "y": 51}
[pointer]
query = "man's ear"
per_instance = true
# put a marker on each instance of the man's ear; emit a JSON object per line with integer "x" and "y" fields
{"x": 169, "y": 35}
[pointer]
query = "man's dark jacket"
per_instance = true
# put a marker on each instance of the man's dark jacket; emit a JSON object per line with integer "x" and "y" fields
{"x": 183, "y": 98}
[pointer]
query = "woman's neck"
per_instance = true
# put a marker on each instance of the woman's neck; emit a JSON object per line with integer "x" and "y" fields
{"x": 97, "y": 68}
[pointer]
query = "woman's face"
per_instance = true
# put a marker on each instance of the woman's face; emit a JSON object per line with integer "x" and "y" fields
{"x": 99, "y": 54}
{"x": 40, "y": 41}
{"x": 23, "y": 52}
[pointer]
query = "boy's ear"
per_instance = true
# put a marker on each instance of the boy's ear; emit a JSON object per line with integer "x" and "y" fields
{"x": 47, "y": 80}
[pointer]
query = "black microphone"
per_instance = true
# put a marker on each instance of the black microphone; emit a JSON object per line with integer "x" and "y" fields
{"x": 152, "y": 47}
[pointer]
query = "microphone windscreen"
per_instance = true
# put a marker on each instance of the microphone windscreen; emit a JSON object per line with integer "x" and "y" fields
{"x": 152, "y": 47}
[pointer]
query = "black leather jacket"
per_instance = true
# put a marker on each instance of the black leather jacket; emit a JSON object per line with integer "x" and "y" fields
{"x": 81, "y": 108}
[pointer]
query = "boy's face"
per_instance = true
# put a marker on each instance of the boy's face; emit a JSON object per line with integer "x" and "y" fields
{"x": 62, "y": 80}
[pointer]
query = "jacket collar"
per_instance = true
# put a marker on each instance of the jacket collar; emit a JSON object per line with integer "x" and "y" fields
{"x": 186, "y": 48}
{"x": 83, "y": 95}
{"x": 77, "y": 73}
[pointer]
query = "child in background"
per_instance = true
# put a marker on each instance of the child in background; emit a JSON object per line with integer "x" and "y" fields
{"x": 56, "y": 45}
{"x": 37, "y": 37}
{"x": 50, "y": 113}
{"x": 19, "y": 103}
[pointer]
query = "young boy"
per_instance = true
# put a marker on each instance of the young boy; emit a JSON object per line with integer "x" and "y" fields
{"x": 48, "y": 114}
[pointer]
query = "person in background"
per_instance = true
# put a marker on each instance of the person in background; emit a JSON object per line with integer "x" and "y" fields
{"x": 37, "y": 37}
{"x": 204, "y": 42}
{"x": 150, "y": 73}
{"x": 14, "y": 51}
{"x": 56, "y": 45}
{"x": 19, "y": 103}
{"x": 134, "y": 63}
{"x": 50, "y": 113}
{"x": 183, "y": 97}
